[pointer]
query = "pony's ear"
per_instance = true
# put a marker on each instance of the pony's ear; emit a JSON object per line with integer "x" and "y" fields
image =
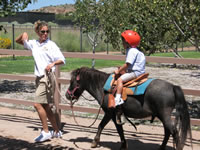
{"x": 78, "y": 77}
{"x": 77, "y": 74}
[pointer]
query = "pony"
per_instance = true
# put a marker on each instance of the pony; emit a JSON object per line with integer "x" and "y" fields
{"x": 159, "y": 100}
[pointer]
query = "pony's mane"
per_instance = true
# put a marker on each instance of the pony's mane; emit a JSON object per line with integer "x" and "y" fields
{"x": 89, "y": 74}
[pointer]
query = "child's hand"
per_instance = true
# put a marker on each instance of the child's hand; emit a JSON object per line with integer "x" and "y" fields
{"x": 116, "y": 71}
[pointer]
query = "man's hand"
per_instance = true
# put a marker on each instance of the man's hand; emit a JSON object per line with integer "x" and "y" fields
{"x": 21, "y": 38}
{"x": 48, "y": 68}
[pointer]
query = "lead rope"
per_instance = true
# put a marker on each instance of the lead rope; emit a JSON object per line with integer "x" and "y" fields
{"x": 57, "y": 87}
{"x": 102, "y": 100}
{"x": 72, "y": 103}
{"x": 48, "y": 83}
{"x": 71, "y": 106}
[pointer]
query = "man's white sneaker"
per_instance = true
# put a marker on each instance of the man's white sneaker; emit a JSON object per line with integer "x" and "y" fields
{"x": 56, "y": 135}
{"x": 43, "y": 137}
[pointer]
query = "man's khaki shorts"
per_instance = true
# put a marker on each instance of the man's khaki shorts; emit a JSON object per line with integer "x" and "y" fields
{"x": 45, "y": 89}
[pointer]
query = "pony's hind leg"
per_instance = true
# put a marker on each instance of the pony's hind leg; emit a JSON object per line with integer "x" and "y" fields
{"x": 101, "y": 126}
{"x": 169, "y": 129}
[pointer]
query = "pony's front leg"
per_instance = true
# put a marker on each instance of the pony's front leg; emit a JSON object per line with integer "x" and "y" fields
{"x": 124, "y": 144}
{"x": 101, "y": 126}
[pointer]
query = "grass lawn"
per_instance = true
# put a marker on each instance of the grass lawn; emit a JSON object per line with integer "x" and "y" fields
{"x": 185, "y": 54}
{"x": 25, "y": 65}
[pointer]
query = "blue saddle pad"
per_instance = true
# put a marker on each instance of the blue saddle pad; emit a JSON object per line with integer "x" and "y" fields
{"x": 141, "y": 88}
{"x": 139, "y": 91}
{"x": 107, "y": 86}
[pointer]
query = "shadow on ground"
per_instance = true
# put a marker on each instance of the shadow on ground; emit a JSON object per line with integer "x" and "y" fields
{"x": 8, "y": 143}
{"x": 7, "y": 86}
{"x": 134, "y": 138}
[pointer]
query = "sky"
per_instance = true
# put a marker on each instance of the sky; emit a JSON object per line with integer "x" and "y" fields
{"x": 43, "y": 3}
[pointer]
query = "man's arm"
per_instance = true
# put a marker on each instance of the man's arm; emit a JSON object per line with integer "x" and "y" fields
{"x": 21, "y": 38}
{"x": 58, "y": 62}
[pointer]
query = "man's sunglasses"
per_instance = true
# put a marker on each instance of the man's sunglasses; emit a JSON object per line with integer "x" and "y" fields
{"x": 43, "y": 31}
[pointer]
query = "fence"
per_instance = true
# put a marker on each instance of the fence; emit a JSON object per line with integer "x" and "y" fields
{"x": 90, "y": 56}
{"x": 73, "y": 38}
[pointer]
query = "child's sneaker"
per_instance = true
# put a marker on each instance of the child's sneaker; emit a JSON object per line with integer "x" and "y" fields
{"x": 56, "y": 135}
{"x": 43, "y": 137}
{"x": 118, "y": 101}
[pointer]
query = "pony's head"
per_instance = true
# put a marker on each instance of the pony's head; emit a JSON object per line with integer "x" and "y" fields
{"x": 75, "y": 88}
{"x": 85, "y": 78}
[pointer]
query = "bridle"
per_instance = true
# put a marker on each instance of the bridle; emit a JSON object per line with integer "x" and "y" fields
{"x": 71, "y": 93}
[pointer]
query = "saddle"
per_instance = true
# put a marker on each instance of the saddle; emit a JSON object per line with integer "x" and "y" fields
{"x": 129, "y": 88}
{"x": 134, "y": 82}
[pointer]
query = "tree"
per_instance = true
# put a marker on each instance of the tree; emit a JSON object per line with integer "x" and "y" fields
{"x": 188, "y": 23}
{"x": 115, "y": 16}
{"x": 86, "y": 16}
{"x": 9, "y": 7}
{"x": 161, "y": 24}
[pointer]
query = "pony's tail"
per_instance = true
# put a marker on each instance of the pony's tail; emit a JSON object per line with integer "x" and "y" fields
{"x": 182, "y": 119}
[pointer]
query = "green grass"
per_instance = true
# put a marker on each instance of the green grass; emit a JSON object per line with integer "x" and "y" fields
{"x": 21, "y": 65}
{"x": 185, "y": 54}
{"x": 73, "y": 63}
{"x": 25, "y": 65}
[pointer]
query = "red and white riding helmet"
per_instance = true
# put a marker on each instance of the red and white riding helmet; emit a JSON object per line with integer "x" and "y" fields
{"x": 131, "y": 37}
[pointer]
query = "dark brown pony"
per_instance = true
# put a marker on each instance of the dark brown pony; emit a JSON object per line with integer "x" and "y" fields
{"x": 159, "y": 100}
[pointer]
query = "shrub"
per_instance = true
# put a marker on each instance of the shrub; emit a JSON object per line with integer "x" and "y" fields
{"x": 5, "y": 43}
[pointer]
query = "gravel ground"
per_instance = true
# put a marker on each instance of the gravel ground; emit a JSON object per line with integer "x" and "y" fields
{"x": 186, "y": 78}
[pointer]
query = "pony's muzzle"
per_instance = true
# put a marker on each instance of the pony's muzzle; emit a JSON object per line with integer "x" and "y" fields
{"x": 70, "y": 95}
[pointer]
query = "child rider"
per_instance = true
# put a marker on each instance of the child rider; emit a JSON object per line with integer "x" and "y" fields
{"x": 134, "y": 66}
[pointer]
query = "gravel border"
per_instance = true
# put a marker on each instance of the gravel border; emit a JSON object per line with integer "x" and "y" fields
{"x": 186, "y": 77}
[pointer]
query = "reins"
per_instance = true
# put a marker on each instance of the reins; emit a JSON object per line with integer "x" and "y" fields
{"x": 87, "y": 98}
{"x": 102, "y": 100}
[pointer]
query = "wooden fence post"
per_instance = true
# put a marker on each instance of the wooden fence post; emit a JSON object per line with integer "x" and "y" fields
{"x": 57, "y": 98}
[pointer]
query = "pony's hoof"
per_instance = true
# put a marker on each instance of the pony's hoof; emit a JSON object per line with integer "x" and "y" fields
{"x": 124, "y": 146}
{"x": 162, "y": 148}
{"x": 94, "y": 143}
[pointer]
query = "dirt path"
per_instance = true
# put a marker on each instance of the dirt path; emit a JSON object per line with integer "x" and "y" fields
{"x": 18, "y": 128}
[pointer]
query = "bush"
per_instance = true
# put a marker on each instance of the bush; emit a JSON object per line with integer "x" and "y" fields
{"x": 5, "y": 43}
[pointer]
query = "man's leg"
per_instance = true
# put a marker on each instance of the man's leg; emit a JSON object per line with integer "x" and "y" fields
{"x": 45, "y": 134}
{"x": 51, "y": 116}
{"x": 43, "y": 116}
